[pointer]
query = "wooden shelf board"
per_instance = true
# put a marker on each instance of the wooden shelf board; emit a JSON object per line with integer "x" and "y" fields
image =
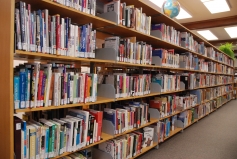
{"x": 25, "y": 55}
{"x": 158, "y": 17}
{"x": 144, "y": 150}
{"x": 172, "y": 133}
{"x": 104, "y": 137}
{"x": 195, "y": 120}
{"x": 99, "y": 101}
{"x": 64, "y": 11}
{"x": 152, "y": 121}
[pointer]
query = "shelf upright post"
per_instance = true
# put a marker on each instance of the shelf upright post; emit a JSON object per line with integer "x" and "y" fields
{"x": 6, "y": 78}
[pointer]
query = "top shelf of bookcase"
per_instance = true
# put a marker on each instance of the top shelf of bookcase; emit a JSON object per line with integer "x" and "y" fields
{"x": 64, "y": 11}
{"x": 157, "y": 17}
{"x": 112, "y": 28}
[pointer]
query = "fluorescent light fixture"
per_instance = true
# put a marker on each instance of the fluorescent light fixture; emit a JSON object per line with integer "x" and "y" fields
{"x": 207, "y": 35}
{"x": 159, "y": 3}
{"x": 216, "y": 6}
{"x": 183, "y": 14}
{"x": 232, "y": 31}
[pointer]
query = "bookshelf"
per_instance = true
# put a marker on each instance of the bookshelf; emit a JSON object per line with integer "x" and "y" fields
{"x": 8, "y": 55}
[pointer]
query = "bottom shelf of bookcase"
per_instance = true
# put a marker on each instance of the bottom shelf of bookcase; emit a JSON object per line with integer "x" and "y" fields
{"x": 144, "y": 150}
{"x": 104, "y": 137}
{"x": 172, "y": 133}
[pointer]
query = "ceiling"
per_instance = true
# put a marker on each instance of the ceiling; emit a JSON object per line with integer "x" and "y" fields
{"x": 201, "y": 14}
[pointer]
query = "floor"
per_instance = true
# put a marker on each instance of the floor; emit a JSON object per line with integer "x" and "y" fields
{"x": 213, "y": 137}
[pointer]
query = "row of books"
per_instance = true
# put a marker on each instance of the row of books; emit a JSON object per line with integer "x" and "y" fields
{"x": 129, "y": 16}
{"x": 129, "y": 145}
{"x": 185, "y": 81}
{"x": 170, "y": 104}
{"x": 124, "y": 117}
{"x": 187, "y": 60}
{"x": 186, "y": 40}
{"x": 43, "y": 85}
{"x": 38, "y": 31}
{"x": 49, "y": 137}
{"x": 86, "y": 6}
{"x": 129, "y": 50}
{"x": 83, "y": 154}
{"x": 129, "y": 85}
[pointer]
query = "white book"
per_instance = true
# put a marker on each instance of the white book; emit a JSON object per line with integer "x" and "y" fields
{"x": 94, "y": 88}
{"x": 55, "y": 95}
{"x": 82, "y": 86}
{"x": 47, "y": 31}
{"x": 76, "y": 40}
{"x": 47, "y": 86}
{"x": 85, "y": 116}
{"x": 70, "y": 127}
{"x": 74, "y": 140}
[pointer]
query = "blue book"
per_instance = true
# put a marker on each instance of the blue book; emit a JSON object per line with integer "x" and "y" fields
{"x": 156, "y": 26}
{"x": 110, "y": 115}
{"x": 22, "y": 89}
{"x": 83, "y": 39}
{"x": 157, "y": 52}
{"x": 23, "y": 128}
{"x": 41, "y": 29}
{"x": 16, "y": 92}
{"x": 67, "y": 32}
{"x": 27, "y": 92}
{"x": 61, "y": 142}
{"x": 46, "y": 142}
{"x": 68, "y": 87}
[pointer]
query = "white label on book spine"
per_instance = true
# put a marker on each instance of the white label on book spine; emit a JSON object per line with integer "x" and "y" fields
{"x": 62, "y": 101}
{"x": 23, "y": 104}
{"x": 43, "y": 49}
{"x": 39, "y": 49}
{"x": 16, "y": 103}
{"x": 41, "y": 102}
{"x": 47, "y": 50}
{"x": 18, "y": 126}
{"x": 74, "y": 100}
{"x": 32, "y": 47}
{"x": 37, "y": 157}
{"x": 27, "y": 104}
{"x": 24, "y": 46}
{"x": 32, "y": 104}
{"x": 19, "y": 45}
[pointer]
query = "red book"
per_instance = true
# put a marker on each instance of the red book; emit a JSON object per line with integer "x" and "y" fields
{"x": 99, "y": 119}
{"x": 39, "y": 97}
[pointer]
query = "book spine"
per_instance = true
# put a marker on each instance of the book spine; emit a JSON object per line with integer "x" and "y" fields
{"x": 16, "y": 92}
{"x": 58, "y": 32}
{"x": 22, "y": 89}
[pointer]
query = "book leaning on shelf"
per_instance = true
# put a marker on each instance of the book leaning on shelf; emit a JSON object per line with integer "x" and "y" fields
{"x": 38, "y": 31}
{"x": 129, "y": 145}
{"x": 87, "y": 6}
{"x": 129, "y": 50}
{"x": 49, "y": 135}
{"x": 129, "y": 16}
{"x": 126, "y": 116}
{"x": 186, "y": 40}
{"x": 43, "y": 85}
{"x": 129, "y": 85}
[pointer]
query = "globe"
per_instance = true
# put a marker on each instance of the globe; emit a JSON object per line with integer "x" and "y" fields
{"x": 171, "y": 8}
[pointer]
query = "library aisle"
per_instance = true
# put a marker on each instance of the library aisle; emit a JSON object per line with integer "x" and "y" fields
{"x": 213, "y": 137}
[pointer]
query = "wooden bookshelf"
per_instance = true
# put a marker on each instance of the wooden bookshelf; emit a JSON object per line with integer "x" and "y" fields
{"x": 172, "y": 133}
{"x": 8, "y": 55}
{"x": 101, "y": 100}
{"x": 144, "y": 150}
